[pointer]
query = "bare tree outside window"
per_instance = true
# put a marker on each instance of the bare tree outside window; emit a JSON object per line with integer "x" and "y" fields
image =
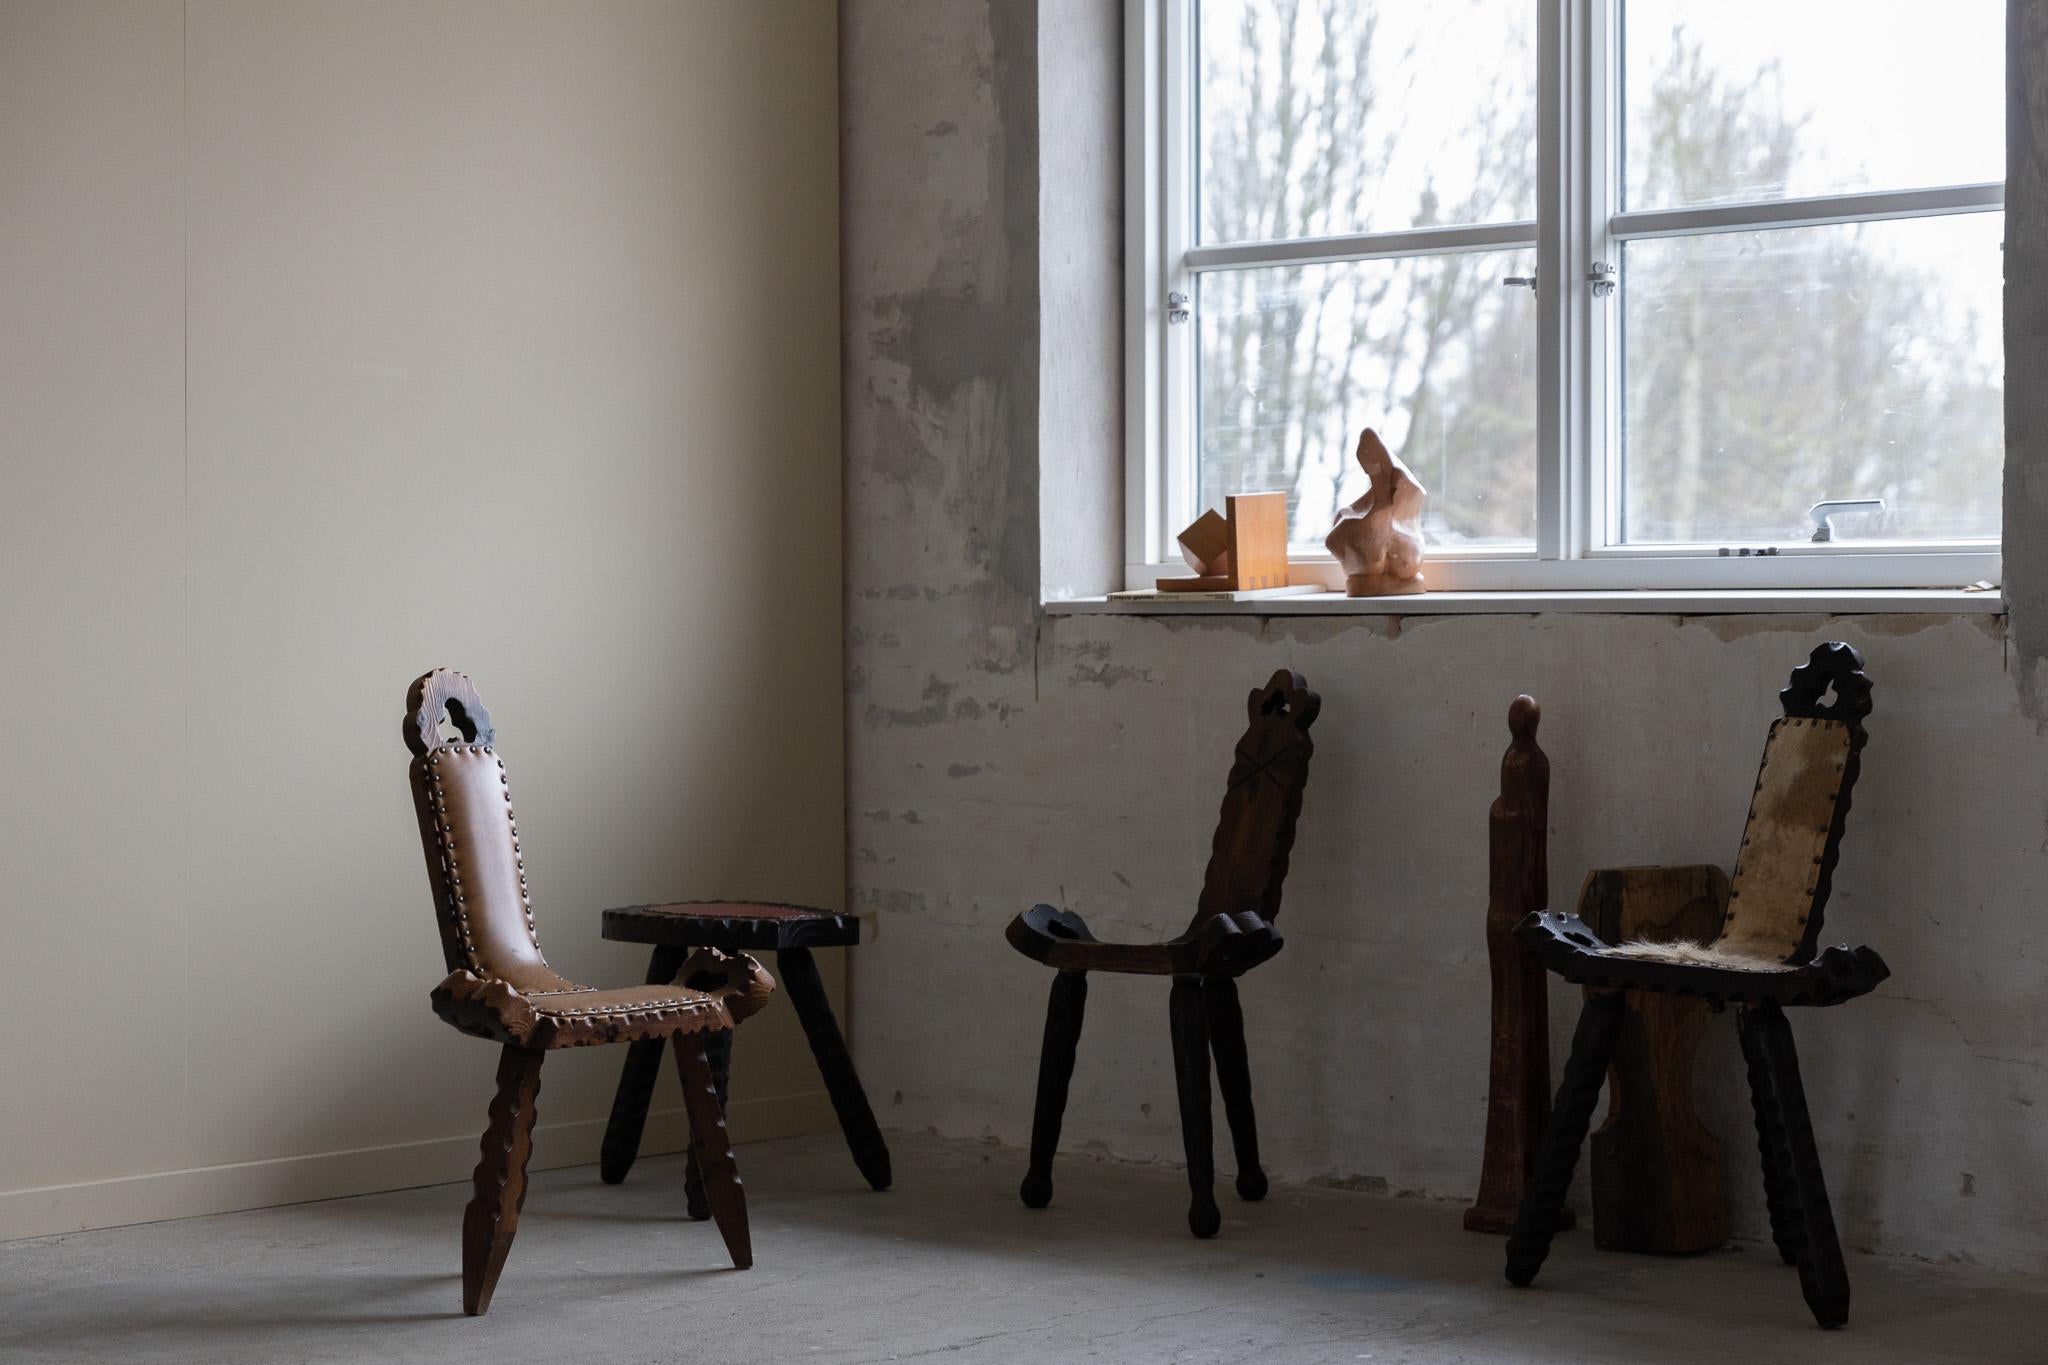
{"x": 1761, "y": 370}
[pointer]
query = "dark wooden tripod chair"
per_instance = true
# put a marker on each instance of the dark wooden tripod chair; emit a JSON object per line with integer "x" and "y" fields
{"x": 1763, "y": 960}
{"x": 791, "y": 931}
{"x": 1231, "y": 933}
{"x": 500, "y": 987}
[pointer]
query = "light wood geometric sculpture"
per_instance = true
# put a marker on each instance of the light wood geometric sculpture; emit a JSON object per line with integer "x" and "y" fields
{"x": 1241, "y": 552}
{"x": 1378, "y": 539}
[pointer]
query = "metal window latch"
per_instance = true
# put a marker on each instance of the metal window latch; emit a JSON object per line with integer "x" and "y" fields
{"x": 1520, "y": 281}
{"x": 1602, "y": 277}
{"x": 1823, "y": 514}
{"x": 1177, "y": 307}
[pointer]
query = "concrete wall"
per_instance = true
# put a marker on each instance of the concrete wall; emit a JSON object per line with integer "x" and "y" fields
{"x": 339, "y": 341}
{"x": 998, "y": 756}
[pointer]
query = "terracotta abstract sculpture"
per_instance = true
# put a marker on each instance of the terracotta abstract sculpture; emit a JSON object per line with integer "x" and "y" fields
{"x": 1378, "y": 539}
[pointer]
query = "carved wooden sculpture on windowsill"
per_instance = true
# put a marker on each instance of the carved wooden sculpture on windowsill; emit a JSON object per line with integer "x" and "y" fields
{"x": 1377, "y": 540}
{"x": 1231, "y": 933}
{"x": 1765, "y": 957}
{"x": 500, "y": 987}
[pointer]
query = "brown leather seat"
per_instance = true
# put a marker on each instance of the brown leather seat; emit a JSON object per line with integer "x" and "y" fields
{"x": 499, "y": 985}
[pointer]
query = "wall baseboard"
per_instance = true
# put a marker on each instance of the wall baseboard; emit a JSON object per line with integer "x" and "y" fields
{"x": 158, "y": 1195}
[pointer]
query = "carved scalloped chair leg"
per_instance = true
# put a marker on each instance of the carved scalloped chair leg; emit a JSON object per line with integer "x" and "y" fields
{"x": 1823, "y": 1277}
{"x": 636, "y": 1083}
{"x": 711, "y": 1148}
{"x": 492, "y": 1218}
{"x": 1234, "y": 1079}
{"x": 1063, "y": 1016}
{"x": 717, "y": 1051}
{"x": 1191, "y": 1080}
{"x": 1592, "y": 1049}
{"x": 1781, "y": 1193}
{"x": 799, "y": 972}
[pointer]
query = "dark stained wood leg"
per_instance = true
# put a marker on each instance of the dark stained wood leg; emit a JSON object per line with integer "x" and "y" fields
{"x": 636, "y": 1083}
{"x": 717, "y": 1051}
{"x": 1823, "y": 1277}
{"x": 713, "y": 1152}
{"x": 1592, "y": 1049}
{"x": 1234, "y": 1079}
{"x": 492, "y": 1218}
{"x": 807, "y": 992}
{"x": 1191, "y": 1079}
{"x": 1063, "y": 1014}
{"x": 1788, "y": 1224}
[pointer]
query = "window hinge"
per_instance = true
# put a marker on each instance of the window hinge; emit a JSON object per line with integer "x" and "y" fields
{"x": 1177, "y": 307}
{"x": 1602, "y": 276}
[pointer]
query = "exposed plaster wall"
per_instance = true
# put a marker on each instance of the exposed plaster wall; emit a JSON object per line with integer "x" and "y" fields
{"x": 999, "y": 758}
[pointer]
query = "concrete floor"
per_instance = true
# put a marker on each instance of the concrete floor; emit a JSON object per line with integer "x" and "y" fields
{"x": 948, "y": 1265}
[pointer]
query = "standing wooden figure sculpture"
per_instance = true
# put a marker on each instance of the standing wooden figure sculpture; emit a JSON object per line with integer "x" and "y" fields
{"x": 500, "y": 987}
{"x": 1378, "y": 539}
{"x": 1518, "y": 1086}
{"x": 1231, "y": 933}
{"x": 1764, "y": 957}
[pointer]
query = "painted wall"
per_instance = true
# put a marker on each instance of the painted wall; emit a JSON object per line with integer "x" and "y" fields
{"x": 999, "y": 757}
{"x": 342, "y": 341}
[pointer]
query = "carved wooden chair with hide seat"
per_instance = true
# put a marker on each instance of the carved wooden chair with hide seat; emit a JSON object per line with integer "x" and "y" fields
{"x": 1231, "y": 933}
{"x": 1765, "y": 957}
{"x": 500, "y": 987}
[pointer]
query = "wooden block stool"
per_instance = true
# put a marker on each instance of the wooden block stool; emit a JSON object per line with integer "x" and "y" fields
{"x": 791, "y": 931}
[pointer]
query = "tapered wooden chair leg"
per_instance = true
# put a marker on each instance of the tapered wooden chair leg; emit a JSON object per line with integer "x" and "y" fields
{"x": 492, "y": 1218}
{"x": 1823, "y": 1276}
{"x": 800, "y": 978}
{"x": 1781, "y": 1193}
{"x": 712, "y": 1149}
{"x": 1592, "y": 1049}
{"x": 1063, "y": 1015}
{"x": 636, "y": 1083}
{"x": 717, "y": 1051}
{"x": 1234, "y": 1079}
{"x": 1191, "y": 1079}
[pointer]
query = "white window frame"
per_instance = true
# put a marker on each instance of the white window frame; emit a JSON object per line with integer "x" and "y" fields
{"x": 1578, "y": 45}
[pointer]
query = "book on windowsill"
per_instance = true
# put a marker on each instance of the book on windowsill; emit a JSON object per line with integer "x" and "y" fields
{"x": 1245, "y": 595}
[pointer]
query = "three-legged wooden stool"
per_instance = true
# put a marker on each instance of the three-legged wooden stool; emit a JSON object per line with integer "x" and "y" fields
{"x": 791, "y": 931}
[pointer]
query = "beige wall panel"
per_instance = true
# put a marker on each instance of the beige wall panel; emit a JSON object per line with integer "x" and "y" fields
{"x": 92, "y": 876}
{"x": 513, "y": 346}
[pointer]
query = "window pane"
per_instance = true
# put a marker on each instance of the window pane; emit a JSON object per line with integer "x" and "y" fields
{"x": 1761, "y": 99}
{"x": 1432, "y": 351}
{"x": 1322, "y": 117}
{"x": 1766, "y": 371}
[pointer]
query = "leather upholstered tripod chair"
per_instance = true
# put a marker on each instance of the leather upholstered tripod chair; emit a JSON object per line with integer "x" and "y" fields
{"x": 1767, "y": 956}
{"x": 500, "y": 987}
{"x": 1231, "y": 933}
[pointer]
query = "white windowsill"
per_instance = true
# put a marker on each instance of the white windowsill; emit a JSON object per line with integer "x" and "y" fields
{"x": 1697, "y": 602}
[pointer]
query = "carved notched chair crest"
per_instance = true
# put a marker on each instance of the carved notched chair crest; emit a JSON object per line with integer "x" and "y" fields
{"x": 500, "y": 987}
{"x": 1232, "y": 932}
{"x": 1763, "y": 959}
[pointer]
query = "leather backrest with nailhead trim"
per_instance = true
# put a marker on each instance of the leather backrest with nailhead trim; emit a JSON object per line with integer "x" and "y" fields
{"x": 1784, "y": 842}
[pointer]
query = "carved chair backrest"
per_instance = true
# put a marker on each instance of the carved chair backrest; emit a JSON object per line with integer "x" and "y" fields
{"x": 1799, "y": 810}
{"x": 464, "y": 804}
{"x": 1255, "y": 832}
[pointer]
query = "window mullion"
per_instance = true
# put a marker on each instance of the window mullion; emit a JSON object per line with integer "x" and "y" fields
{"x": 1599, "y": 501}
{"x": 1562, "y": 52}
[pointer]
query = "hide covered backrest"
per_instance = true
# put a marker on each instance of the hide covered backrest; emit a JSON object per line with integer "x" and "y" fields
{"x": 1248, "y": 859}
{"x": 1797, "y": 814}
{"x": 464, "y": 804}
